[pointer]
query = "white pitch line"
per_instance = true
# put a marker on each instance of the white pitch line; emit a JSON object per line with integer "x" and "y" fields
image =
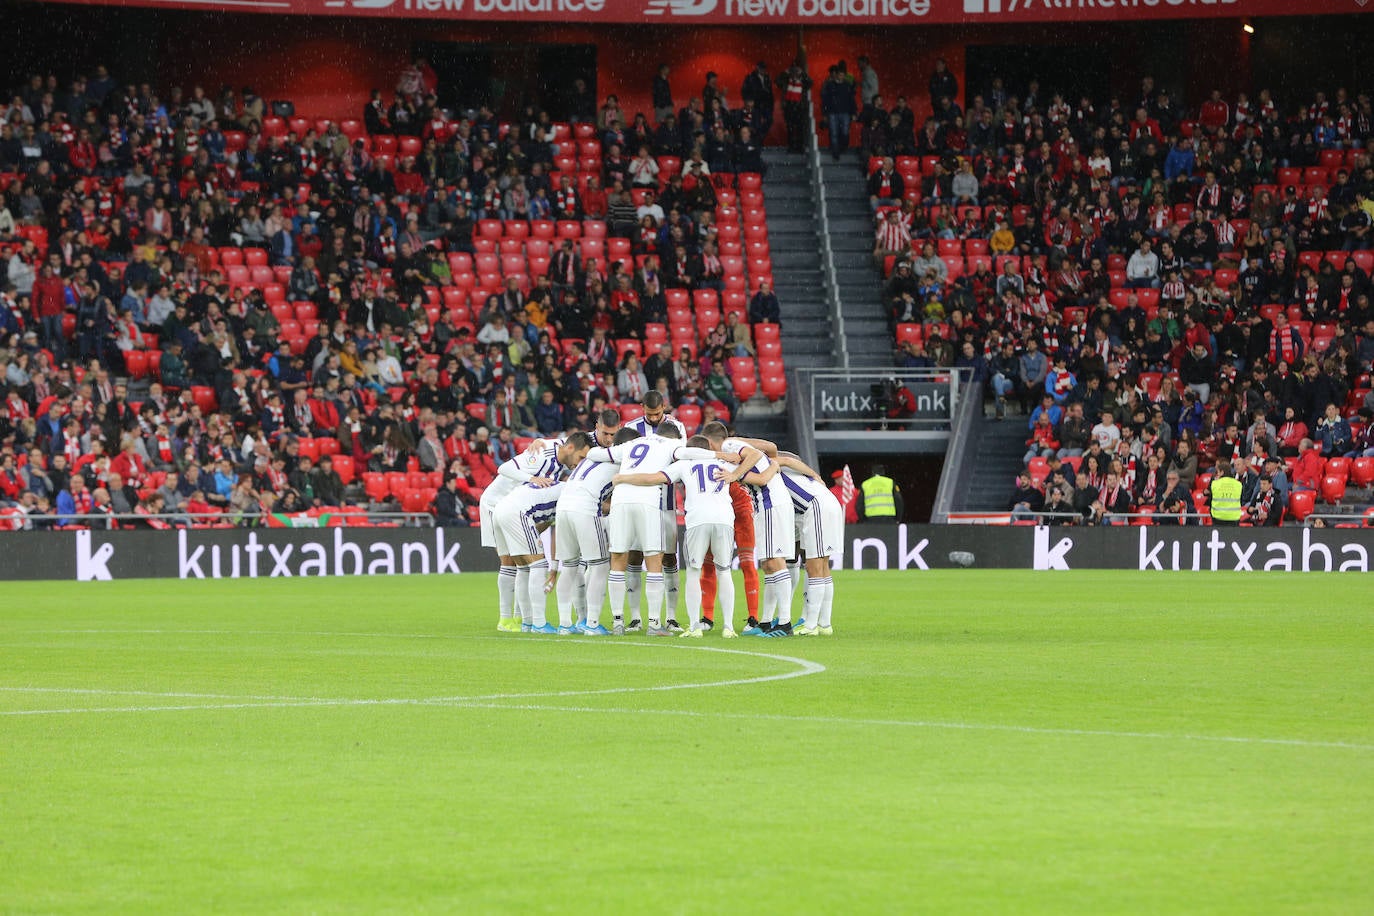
{"x": 483, "y": 702}
{"x": 803, "y": 669}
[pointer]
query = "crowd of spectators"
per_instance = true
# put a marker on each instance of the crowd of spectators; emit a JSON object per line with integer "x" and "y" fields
{"x": 312, "y": 314}
{"x": 1152, "y": 286}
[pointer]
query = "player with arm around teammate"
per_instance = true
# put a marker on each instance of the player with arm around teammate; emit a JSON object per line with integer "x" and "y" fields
{"x": 710, "y": 526}
{"x": 538, "y": 465}
{"x": 521, "y": 519}
{"x": 820, "y": 532}
{"x": 655, "y": 415}
{"x": 773, "y": 527}
{"x": 635, "y": 521}
{"x": 580, "y": 537}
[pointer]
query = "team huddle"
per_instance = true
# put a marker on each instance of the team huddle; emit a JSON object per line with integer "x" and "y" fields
{"x": 611, "y": 497}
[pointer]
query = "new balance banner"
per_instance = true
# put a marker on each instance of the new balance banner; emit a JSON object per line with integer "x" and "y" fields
{"x": 770, "y": 12}
{"x": 89, "y": 556}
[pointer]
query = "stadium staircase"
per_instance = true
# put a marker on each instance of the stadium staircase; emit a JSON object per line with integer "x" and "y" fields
{"x": 996, "y": 448}
{"x": 867, "y": 335}
{"x": 808, "y": 336}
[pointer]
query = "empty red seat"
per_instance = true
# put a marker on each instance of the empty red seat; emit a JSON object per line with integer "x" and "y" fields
{"x": 1333, "y": 488}
{"x": 746, "y": 385}
{"x": 1301, "y": 503}
{"x": 136, "y": 362}
{"x": 374, "y": 485}
{"x": 774, "y": 387}
{"x": 1362, "y": 472}
{"x": 343, "y": 466}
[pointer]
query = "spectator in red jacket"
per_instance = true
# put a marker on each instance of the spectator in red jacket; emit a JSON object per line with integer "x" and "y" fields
{"x": 1307, "y": 471}
{"x": 49, "y": 301}
{"x": 82, "y": 154}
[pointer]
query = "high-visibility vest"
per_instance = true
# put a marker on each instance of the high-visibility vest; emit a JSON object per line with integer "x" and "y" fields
{"x": 1226, "y": 499}
{"x": 878, "y": 497}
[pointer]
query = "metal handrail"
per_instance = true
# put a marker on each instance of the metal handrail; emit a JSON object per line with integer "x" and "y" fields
{"x": 1167, "y": 517}
{"x": 957, "y": 469}
{"x": 832, "y": 283}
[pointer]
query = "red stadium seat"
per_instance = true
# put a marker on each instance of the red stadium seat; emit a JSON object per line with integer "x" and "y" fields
{"x": 343, "y": 466}
{"x": 1301, "y": 503}
{"x": 1362, "y": 472}
{"x": 1333, "y": 488}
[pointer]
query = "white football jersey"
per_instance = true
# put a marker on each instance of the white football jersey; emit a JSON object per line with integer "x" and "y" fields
{"x": 646, "y": 455}
{"x": 803, "y": 490}
{"x": 706, "y": 491}
{"x": 529, "y": 463}
{"x": 775, "y": 494}
{"x": 588, "y": 486}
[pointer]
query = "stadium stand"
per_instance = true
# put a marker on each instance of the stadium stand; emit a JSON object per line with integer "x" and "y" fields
{"x": 1198, "y": 275}
{"x": 234, "y": 311}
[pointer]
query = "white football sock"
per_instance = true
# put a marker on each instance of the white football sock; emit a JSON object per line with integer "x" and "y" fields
{"x": 567, "y": 592}
{"x": 523, "y": 610}
{"x": 538, "y": 575}
{"x": 634, "y": 586}
{"x": 615, "y": 588}
{"x": 795, "y": 569}
{"x": 596, "y": 577}
{"x": 505, "y": 591}
{"x": 579, "y": 602}
{"x": 693, "y": 598}
{"x": 670, "y": 586}
{"x": 780, "y": 586}
{"x": 653, "y": 591}
{"x": 827, "y": 601}
{"x": 725, "y": 594}
{"x": 811, "y": 600}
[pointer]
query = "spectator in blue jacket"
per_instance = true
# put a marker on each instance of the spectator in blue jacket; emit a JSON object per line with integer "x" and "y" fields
{"x": 1335, "y": 434}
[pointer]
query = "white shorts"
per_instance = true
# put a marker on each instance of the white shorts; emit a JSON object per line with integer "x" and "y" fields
{"x": 516, "y": 535}
{"x": 580, "y": 536}
{"x": 669, "y": 530}
{"x": 487, "y": 509}
{"x": 820, "y": 530}
{"x": 718, "y": 540}
{"x": 774, "y": 533}
{"x": 636, "y": 526}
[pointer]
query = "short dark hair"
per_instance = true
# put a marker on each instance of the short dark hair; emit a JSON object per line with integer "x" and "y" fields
{"x": 699, "y": 441}
{"x": 580, "y": 440}
{"x": 652, "y": 400}
{"x": 715, "y": 430}
{"x": 609, "y": 417}
{"x": 668, "y": 430}
{"x": 626, "y": 434}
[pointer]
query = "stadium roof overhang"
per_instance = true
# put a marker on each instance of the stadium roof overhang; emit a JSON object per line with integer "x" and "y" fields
{"x": 770, "y": 12}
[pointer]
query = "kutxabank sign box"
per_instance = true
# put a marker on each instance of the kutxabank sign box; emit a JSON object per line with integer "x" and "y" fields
{"x": 278, "y": 553}
{"x": 769, "y": 12}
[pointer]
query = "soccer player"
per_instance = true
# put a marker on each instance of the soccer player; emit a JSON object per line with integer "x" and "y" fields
{"x": 538, "y": 464}
{"x": 520, "y": 520}
{"x": 655, "y": 414}
{"x": 571, "y": 580}
{"x": 744, "y": 547}
{"x": 819, "y": 532}
{"x": 580, "y": 537}
{"x": 773, "y": 530}
{"x": 636, "y": 520}
{"x": 710, "y": 524}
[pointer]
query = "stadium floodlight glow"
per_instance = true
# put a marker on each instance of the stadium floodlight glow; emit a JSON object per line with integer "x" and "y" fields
{"x": 1249, "y": 29}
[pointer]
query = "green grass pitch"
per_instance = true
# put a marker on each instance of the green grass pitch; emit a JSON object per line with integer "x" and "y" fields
{"x": 968, "y": 741}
